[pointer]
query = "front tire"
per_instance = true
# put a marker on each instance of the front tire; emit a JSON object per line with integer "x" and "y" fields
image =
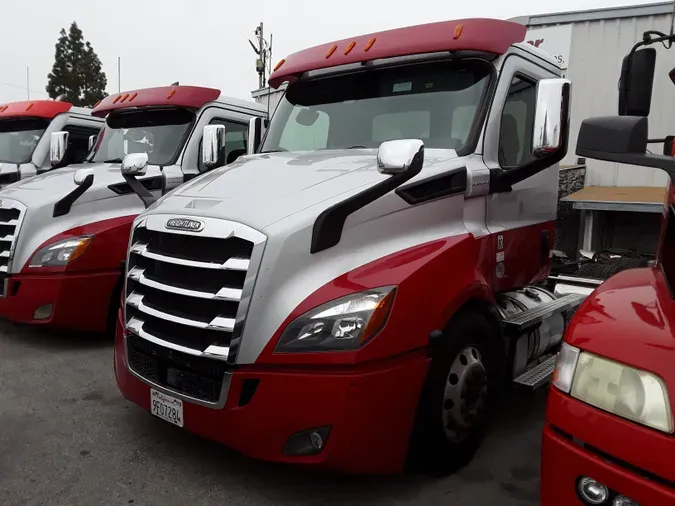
{"x": 458, "y": 396}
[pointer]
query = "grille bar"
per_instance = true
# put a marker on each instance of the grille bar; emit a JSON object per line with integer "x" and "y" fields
{"x": 218, "y": 323}
{"x": 225, "y": 293}
{"x": 11, "y": 217}
{"x": 234, "y": 264}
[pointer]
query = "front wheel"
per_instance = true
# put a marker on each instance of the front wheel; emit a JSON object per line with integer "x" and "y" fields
{"x": 457, "y": 398}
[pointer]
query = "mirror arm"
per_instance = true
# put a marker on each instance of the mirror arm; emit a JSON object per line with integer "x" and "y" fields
{"x": 328, "y": 226}
{"x": 63, "y": 206}
{"x": 143, "y": 193}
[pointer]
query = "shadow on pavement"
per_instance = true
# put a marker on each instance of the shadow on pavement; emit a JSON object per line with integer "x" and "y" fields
{"x": 51, "y": 339}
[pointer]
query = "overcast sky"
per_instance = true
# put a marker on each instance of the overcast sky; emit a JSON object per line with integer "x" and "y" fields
{"x": 204, "y": 42}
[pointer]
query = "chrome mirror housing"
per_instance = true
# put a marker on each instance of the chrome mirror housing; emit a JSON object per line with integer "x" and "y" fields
{"x": 58, "y": 143}
{"x": 134, "y": 164}
{"x": 81, "y": 175}
{"x": 550, "y": 116}
{"x": 396, "y": 157}
{"x": 213, "y": 142}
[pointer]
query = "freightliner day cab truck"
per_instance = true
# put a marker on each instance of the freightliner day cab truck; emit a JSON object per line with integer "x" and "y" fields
{"x": 25, "y": 132}
{"x": 65, "y": 233}
{"x": 358, "y": 291}
{"x": 609, "y": 437}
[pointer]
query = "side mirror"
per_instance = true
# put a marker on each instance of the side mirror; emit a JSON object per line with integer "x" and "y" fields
{"x": 135, "y": 164}
{"x": 213, "y": 142}
{"x": 635, "y": 84}
{"x": 81, "y": 176}
{"x": 256, "y": 128}
{"x": 669, "y": 145}
{"x": 58, "y": 143}
{"x": 551, "y": 117}
{"x": 92, "y": 141}
{"x": 396, "y": 157}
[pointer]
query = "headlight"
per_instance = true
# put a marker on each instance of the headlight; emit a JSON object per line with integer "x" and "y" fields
{"x": 636, "y": 395}
{"x": 341, "y": 324}
{"x": 61, "y": 252}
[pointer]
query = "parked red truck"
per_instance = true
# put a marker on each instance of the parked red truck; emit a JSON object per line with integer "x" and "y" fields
{"x": 609, "y": 436}
{"x": 358, "y": 291}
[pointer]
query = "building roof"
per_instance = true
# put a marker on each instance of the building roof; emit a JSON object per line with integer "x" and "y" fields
{"x": 477, "y": 34}
{"x": 629, "y": 11}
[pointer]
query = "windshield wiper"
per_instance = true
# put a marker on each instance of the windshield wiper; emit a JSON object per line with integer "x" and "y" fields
{"x": 357, "y": 147}
{"x": 278, "y": 150}
{"x": 113, "y": 160}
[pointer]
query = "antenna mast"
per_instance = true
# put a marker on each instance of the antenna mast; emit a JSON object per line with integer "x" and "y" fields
{"x": 264, "y": 51}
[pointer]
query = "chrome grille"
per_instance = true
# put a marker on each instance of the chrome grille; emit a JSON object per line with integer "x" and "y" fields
{"x": 188, "y": 291}
{"x": 11, "y": 217}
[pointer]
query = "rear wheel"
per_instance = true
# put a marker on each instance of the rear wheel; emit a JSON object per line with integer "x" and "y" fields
{"x": 458, "y": 396}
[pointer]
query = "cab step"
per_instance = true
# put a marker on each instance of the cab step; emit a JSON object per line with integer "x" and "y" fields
{"x": 522, "y": 321}
{"x": 539, "y": 375}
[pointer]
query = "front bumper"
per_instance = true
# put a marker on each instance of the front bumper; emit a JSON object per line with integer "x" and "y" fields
{"x": 565, "y": 460}
{"x": 79, "y": 302}
{"x": 370, "y": 411}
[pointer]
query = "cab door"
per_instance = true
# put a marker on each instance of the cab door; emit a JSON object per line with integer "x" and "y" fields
{"x": 521, "y": 220}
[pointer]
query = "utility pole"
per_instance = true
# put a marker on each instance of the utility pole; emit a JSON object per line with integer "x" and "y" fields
{"x": 264, "y": 51}
{"x": 28, "y": 83}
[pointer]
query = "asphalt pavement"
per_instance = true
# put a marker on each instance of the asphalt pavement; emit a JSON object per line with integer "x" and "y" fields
{"x": 67, "y": 437}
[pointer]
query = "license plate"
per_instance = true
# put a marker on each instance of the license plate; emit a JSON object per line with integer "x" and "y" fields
{"x": 166, "y": 407}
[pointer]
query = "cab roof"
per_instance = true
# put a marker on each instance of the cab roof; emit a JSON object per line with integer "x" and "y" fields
{"x": 477, "y": 34}
{"x": 46, "y": 109}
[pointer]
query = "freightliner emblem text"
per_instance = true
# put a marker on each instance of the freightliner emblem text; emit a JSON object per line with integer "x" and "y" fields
{"x": 185, "y": 224}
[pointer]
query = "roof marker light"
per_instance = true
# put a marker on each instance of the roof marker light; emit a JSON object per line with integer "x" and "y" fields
{"x": 133, "y": 96}
{"x": 278, "y": 65}
{"x": 29, "y": 106}
{"x": 96, "y": 104}
{"x": 124, "y": 97}
{"x": 369, "y": 44}
{"x": 171, "y": 94}
{"x": 458, "y": 31}
{"x": 117, "y": 98}
{"x": 331, "y": 51}
{"x": 350, "y": 47}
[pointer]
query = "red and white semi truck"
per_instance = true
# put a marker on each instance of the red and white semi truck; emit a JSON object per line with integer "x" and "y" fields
{"x": 609, "y": 436}
{"x": 25, "y": 134}
{"x": 359, "y": 290}
{"x": 63, "y": 234}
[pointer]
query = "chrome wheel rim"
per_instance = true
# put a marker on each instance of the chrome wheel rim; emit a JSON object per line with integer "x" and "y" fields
{"x": 465, "y": 394}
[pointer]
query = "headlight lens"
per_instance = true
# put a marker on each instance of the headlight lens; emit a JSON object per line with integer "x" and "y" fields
{"x": 341, "y": 324}
{"x": 634, "y": 394}
{"x": 62, "y": 252}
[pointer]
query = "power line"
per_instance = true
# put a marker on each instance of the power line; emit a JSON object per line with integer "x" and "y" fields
{"x": 23, "y": 88}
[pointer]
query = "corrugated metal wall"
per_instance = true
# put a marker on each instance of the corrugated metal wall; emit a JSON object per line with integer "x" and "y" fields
{"x": 598, "y": 48}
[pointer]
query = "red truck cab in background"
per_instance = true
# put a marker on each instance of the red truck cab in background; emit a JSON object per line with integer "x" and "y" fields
{"x": 609, "y": 437}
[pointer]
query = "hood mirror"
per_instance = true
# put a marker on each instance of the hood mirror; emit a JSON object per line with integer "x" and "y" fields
{"x": 81, "y": 176}
{"x": 550, "y": 116}
{"x": 396, "y": 157}
{"x": 135, "y": 164}
{"x": 213, "y": 146}
{"x": 635, "y": 84}
{"x": 58, "y": 143}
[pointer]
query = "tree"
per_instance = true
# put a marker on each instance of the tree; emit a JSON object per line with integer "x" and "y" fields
{"x": 77, "y": 71}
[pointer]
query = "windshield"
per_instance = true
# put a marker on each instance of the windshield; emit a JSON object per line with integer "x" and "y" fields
{"x": 435, "y": 102}
{"x": 160, "y": 133}
{"x": 18, "y": 138}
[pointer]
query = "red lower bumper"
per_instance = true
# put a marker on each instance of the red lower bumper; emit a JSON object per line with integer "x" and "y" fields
{"x": 79, "y": 302}
{"x": 563, "y": 462}
{"x": 370, "y": 412}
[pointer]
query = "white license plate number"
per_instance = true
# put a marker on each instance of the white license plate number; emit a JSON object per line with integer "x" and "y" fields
{"x": 166, "y": 407}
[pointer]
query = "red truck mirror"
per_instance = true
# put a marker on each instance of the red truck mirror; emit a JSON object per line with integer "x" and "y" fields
{"x": 636, "y": 81}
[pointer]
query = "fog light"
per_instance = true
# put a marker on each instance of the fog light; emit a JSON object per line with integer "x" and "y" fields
{"x": 622, "y": 500}
{"x": 43, "y": 312}
{"x": 591, "y": 491}
{"x": 308, "y": 442}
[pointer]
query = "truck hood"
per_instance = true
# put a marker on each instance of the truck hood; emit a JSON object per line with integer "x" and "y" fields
{"x": 52, "y": 186}
{"x": 259, "y": 190}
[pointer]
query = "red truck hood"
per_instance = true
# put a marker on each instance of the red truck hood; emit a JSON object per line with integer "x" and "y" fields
{"x": 630, "y": 318}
